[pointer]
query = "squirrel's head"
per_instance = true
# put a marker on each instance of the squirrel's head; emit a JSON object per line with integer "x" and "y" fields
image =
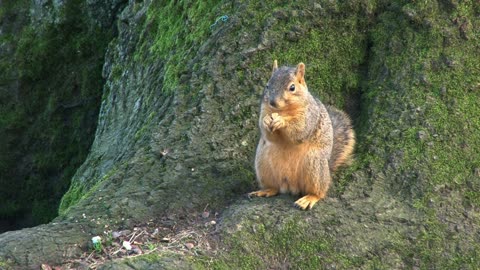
{"x": 286, "y": 88}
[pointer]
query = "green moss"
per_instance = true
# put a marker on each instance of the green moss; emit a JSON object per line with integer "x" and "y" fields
{"x": 146, "y": 126}
{"x": 77, "y": 192}
{"x": 172, "y": 33}
{"x": 7, "y": 265}
{"x": 421, "y": 80}
{"x": 154, "y": 260}
{"x": 290, "y": 243}
{"x": 150, "y": 258}
{"x": 425, "y": 67}
{"x": 71, "y": 197}
{"x": 433, "y": 246}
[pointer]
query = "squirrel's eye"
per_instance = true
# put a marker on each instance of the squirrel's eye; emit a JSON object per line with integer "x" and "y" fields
{"x": 292, "y": 87}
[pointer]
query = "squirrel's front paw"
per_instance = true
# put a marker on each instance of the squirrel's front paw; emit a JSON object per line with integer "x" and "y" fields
{"x": 277, "y": 122}
{"x": 267, "y": 121}
{"x": 273, "y": 122}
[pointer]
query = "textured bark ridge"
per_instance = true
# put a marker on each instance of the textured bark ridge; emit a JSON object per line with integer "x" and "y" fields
{"x": 177, "y": 131}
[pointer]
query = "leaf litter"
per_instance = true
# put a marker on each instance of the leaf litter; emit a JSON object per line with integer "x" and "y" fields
{"x": 192, "y": 235}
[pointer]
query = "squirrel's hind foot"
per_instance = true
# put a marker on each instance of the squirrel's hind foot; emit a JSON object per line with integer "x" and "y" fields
{"x": 269, "y": 192}
{"x": 307, "y": 202}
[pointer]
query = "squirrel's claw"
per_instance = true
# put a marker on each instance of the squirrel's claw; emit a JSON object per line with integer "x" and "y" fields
{"x": 277, "y": 124}
{"x": 263, "y": 193}
{"x": 307, "y": 202}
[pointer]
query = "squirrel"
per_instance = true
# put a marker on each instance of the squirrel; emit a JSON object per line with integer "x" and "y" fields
{"x": 302, "y": 141}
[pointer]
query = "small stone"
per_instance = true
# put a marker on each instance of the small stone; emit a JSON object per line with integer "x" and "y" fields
{"x": 450, "y": 63}
{"x": 165, "y": 240}
{"x": 280, "y": 15}
{"x": 421, "y": 135}
{"x": 424, "y": 79}
{"x": 465, "y": 30}
{"x": 137, "y": 250}
{"x": 291, "y": 36}
{"x": 477, "y": 172}
{"x": 443, "y": 91}
{"x": 189, "y": 245}
{"x": 395, "y": 133}
{"x": 411, "y": 14}
{"x": 116, "y": 235}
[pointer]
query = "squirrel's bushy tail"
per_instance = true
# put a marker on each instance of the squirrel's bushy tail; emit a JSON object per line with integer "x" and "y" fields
{"x": 343, "y": 138}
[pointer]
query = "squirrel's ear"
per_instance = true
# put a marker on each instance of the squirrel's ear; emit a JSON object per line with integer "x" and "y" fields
{"x": 300, "y": 72}
{"x": 275, "y": 66}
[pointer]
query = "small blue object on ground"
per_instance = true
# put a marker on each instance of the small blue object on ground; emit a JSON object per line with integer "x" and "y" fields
{"x": 223, "y": 18}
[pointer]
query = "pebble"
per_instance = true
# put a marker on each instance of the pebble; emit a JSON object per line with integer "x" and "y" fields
{"x": 189, "y": 245}
{"x": 136, "y": 250}
{"x": 443, "y": 91}
{"x": 165, "y": 240}
{"x": 421, "y": 135}
{"x": 477, "y": 172}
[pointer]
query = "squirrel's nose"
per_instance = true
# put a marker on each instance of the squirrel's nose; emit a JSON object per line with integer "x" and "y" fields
{"x": 273, "y": 103}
